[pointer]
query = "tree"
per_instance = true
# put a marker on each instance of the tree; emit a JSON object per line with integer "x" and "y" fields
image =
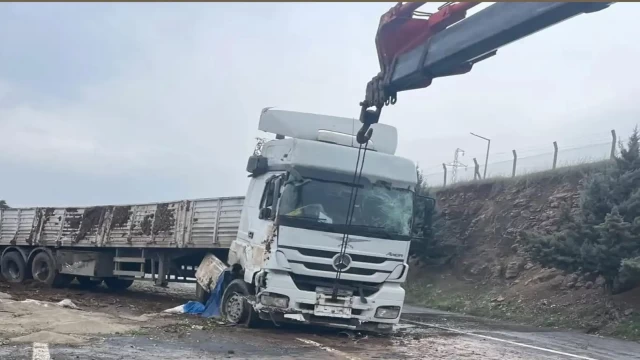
{"x": 605, "y": 237}
{"x": 427, "y": 244}
{"x": 422, "y": 183}
{"x": 3, "y": 205}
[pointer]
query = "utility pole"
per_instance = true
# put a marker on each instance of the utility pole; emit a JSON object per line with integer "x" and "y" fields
{"x": 486, "y": 160}
{"x": 456, "y": 164}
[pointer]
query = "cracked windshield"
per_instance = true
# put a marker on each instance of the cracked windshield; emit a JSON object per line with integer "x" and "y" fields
{"x": 377, "y": 207}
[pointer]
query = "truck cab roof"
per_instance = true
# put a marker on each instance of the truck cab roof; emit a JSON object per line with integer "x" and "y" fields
{"x": 325, "y": 157}
{"x": 326, "y": 128}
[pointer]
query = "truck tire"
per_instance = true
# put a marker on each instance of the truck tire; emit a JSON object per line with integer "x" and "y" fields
{"x": 43, "y": 268}
{"x": 14, "y": 268}
{"x": 118, "y": 284}
{"x": 87, "y": 283}
{"x": 202, "y": 295}
{"x": 235, "y": 308}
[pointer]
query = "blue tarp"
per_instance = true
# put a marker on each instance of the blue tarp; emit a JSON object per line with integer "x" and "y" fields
{"x": 212, "y": 307}
{"x": 193, "y": 307}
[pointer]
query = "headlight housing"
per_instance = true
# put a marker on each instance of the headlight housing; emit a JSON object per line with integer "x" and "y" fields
{"x": 388, "y": 312}
{"x": 275, "y": 300}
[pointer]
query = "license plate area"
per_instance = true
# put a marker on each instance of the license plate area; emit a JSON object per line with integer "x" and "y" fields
{"x": 339, "y": 307}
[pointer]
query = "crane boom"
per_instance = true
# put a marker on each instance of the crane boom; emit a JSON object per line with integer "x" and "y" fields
{"x": 414, "y": 51}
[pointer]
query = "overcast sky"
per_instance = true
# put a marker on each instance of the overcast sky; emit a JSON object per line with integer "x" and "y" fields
{"x": 125, "y": 103}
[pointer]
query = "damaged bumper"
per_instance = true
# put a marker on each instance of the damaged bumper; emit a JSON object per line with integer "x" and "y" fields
{"x": 283, "y": 301}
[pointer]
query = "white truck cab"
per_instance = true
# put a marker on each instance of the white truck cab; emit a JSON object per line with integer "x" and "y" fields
{"x": 295, "y": 257}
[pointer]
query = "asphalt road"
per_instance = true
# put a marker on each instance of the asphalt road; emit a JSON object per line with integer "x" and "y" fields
{"x": 454, "y": 337}
{"x": 423, "y": 334}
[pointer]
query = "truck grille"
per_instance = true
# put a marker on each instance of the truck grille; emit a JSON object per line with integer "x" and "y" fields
{"x": 319, "y": 261}
{"x": 330, "y": 254}
{"x": 309, "y": 283}
{"x": 324, "y": 267}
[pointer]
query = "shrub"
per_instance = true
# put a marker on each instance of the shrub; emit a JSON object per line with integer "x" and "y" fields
{"x": 427, "y": 244}
{"x": 605, "y": 237}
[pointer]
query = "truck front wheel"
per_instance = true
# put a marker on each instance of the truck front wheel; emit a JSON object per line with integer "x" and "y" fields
{"x": 235, "y": 307}
{"x": 14, "y": 268}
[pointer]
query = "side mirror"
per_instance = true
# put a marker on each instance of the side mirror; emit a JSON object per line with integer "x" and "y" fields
{"x": 423, "y": 207}
{"x": 257, "y": 165}
{"x": 264, "y": 214}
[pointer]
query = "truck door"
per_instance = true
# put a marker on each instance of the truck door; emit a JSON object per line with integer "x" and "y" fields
{"x": 261, "y": 226}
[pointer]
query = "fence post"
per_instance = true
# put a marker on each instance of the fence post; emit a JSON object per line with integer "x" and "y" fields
{"x": 476, "y": 171}
{"x": 515, "y": 161}
{"x": 444, "y": 166}
{"x": 555, "y": 154}
{"x": 613, "y": 144}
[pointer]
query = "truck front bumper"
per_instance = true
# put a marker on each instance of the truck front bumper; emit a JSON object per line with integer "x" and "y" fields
{"x": 348, "y": 311}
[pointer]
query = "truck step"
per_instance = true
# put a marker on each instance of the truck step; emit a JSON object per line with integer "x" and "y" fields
{"x": 129, "y": 260}
{"x": 128, "y": 273}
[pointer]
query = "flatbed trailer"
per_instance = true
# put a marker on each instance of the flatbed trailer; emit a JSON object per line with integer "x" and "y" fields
{"x": 158, "y": 241}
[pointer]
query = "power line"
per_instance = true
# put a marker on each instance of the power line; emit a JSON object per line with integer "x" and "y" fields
{"x": 456, "y": 164}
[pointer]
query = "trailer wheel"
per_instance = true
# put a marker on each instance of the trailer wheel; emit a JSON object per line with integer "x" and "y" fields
{"x": 235, "y": 307}
{"x": 202, "y": 295}
{"x": 87, "y": 283}
{"x": 118, "y": 284}
{"x": 43, "y": 268}
{"x": 14, "y": 268}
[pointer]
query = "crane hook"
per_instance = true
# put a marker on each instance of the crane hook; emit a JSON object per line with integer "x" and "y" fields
{"x": 367, "y": 118}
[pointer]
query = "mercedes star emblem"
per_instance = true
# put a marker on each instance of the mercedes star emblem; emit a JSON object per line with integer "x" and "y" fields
{"x": 342, "y": 262}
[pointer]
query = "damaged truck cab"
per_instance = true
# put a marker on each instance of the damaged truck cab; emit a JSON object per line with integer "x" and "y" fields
{"x": 296, "y": 258}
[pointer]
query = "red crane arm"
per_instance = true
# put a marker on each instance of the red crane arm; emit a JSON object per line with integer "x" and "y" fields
{"x": 416, "y": 47}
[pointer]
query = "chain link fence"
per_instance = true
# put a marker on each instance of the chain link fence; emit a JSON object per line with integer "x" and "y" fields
{"x": 522, "y": 164}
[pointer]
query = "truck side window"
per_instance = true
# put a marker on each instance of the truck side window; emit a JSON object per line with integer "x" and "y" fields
{"x": 268, "y": 194}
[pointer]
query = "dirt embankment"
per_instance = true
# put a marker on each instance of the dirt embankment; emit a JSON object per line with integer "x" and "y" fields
{"x": 492, "y": 275}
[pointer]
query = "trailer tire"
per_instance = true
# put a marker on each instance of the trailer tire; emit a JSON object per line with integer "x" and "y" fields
{"x": 14, "y": 268}
{"x": 235, "y": 307}
{"x": 43, "y": 268}
{"x": 202, "y": 295}
{"x": 87, "y": 283}
{"x": 118, "y": 284}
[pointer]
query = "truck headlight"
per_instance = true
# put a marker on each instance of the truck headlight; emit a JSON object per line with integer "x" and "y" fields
{"x": 388, "y": 312}
{"x": 275, "y": 300}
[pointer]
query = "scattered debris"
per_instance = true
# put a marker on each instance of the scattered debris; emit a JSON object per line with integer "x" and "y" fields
{"x": 66, "y": 303}
{"x": 347, "y": 333}
{"x": 175, "y": 310}
{"x": 298, "y": 317}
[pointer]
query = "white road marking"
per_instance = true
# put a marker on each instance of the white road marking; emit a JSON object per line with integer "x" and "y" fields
{"x": 40, "y": 352}
{"x": 326, "y": 348}
{"x": 501, "y": 340}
